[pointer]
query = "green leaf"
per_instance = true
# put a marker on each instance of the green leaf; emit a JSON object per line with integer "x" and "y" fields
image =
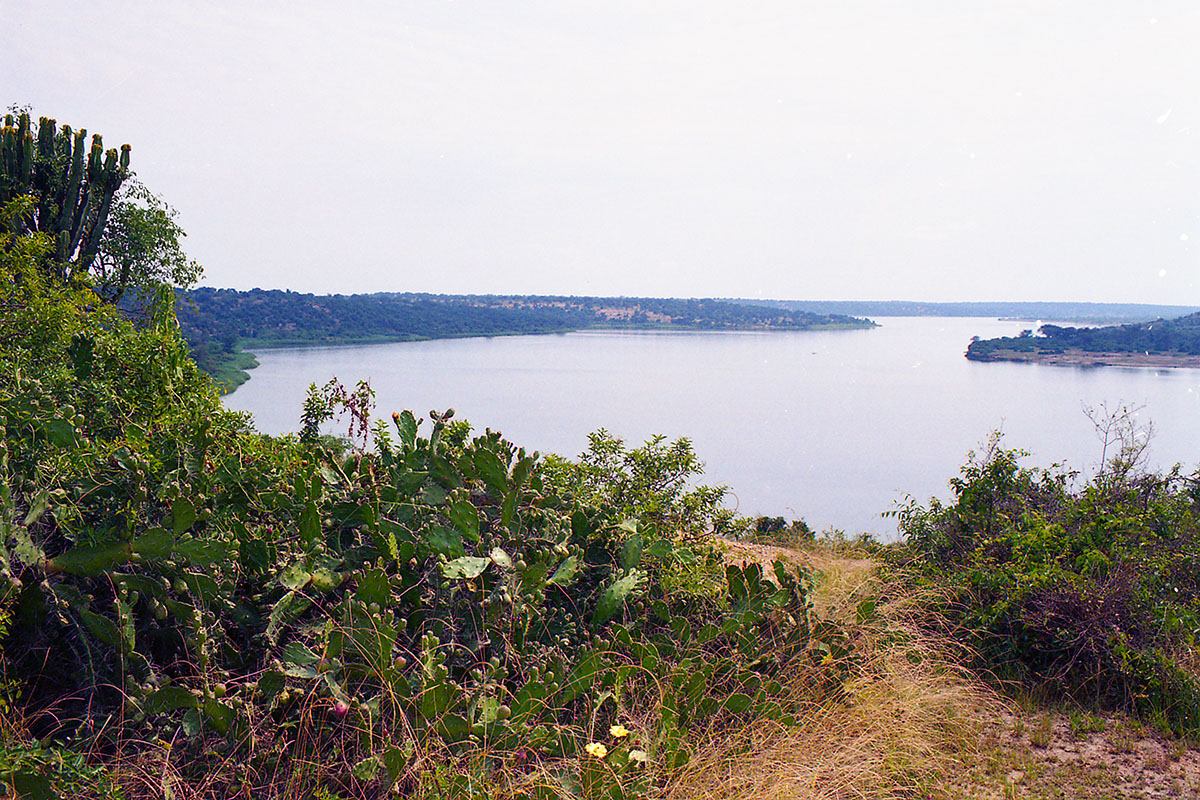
{"x": 662, "y": 549}
{"x": 406, "y": 427}
{"x": 738, "y": 703}
{"x": 219, "y": 715}
{"x": 629, "y": 525}
{"x": 329, "y": 475}
{"x": 203, "y": 552}
{"x": 433, "y": 495}
{"x": 373, "y": 587}
{"x": 614, "y": 596}
{"x": 191, "y": 723}
{"x": 37, "y": 506}
{"x": 170, "y": 698}
{"x": 153, "y": 545}
{"x": 271, "y": 684}
{"x": 256, "y": 556}
{"x": 31, "y": 786}
{"x": 60, "y": 432}
{"x": 88, "y": 561}
{"x": 297, "y": 653}
{"x": 325, "y": 580}
{"x": 288, "y": 608}
{"x": 631, "y": 553}
{"x": 466, "y": 518}
{"x": 294, "y": 576}
{"x": 366, "y": 770}
{"x": 183, "y": 515}
{"x": 301, "y": 671}
{"x": 101, "y": 627}
{"x": 495, "y": 475}
{"x": 445, "y": 541}
{"x": 565, "y": 572}
{"x": 501, "y": 558}
{"x": 394, "y": 761}
{"x": 466, "y": 567}
{"x": 25, "y": 550}
{"x": 310, "y": 524}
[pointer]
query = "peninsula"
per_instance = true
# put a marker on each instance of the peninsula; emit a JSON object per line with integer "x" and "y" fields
{"x": 1159, "y": 343}
{"x": 222, "y": 325}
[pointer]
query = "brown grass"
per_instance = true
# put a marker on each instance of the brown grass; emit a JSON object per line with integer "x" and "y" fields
{"x": 911, "y": 720}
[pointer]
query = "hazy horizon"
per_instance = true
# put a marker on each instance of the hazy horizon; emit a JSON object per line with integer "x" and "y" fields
{"x": 934, "y": 149}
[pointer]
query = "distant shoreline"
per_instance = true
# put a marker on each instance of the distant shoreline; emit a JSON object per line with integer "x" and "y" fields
{"x": 1083, "y": 358}
{"x": 234, "y": 370}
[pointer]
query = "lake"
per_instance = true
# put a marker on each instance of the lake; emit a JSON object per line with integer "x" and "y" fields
{"x": 834, "y": 427}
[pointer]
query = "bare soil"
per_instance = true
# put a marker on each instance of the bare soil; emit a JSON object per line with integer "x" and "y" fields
{"x": 1063, "y": 753}
{"x": 1080, "y": 358}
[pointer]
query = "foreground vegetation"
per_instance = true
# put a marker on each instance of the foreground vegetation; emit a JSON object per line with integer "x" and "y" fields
{"x": 191, "y": 609}
{"x": 444, "y": 615}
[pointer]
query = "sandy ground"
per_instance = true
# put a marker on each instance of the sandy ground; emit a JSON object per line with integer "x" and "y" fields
{"x": 1040, "y": 754}
{"x": 1079, "y": 358}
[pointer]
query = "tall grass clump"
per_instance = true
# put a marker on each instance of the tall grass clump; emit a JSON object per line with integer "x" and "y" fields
{"x": 910, "y": 720}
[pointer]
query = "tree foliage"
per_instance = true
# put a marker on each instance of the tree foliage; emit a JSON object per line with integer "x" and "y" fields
{"x": 1180, "y": 336}
{"x": 141, "y": 246}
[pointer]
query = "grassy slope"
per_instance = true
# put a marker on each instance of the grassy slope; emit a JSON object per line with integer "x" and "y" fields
{"x": 919, "y": 725}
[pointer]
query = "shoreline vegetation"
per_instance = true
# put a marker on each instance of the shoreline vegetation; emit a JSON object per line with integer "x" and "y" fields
{"x": 1160, "y": 343}
{"x": 222, "y": 325}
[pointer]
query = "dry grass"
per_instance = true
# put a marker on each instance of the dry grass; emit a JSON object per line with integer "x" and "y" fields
{"x": 910, "y": 722}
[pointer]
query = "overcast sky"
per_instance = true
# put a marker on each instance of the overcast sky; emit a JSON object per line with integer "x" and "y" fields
{"x": 938, "y": 150}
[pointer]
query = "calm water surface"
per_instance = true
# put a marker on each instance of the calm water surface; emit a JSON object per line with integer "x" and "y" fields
{"x": 831, "y": 426}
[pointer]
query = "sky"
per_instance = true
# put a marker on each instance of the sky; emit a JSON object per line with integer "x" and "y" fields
{"x": 935, "y": 150}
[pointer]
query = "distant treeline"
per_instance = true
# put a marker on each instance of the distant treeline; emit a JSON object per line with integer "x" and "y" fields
{"x": 219, "y": 323}
{"x": 1075, "y": 312}
{"x": 1161, "y": 337}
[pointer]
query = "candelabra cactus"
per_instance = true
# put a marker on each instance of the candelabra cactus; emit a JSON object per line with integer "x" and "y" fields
{"x": 73, "y": 184}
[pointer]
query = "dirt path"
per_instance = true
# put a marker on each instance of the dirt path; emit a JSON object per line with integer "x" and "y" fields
{"x": 1008, "y": 750}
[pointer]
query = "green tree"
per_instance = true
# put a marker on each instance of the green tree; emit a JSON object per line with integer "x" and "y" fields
{"x": 141, "y": 246}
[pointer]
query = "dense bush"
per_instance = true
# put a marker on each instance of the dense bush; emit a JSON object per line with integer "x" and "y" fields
{"x": 283, "y": 612}
{"x": 1091, "y": 591}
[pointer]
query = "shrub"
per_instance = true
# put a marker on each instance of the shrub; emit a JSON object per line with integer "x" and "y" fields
{"x": 1092, "y": 591}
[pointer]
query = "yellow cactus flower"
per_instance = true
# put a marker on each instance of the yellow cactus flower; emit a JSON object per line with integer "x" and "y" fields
{"x": 619, "y": 731}
{"x": 596, "y": 749}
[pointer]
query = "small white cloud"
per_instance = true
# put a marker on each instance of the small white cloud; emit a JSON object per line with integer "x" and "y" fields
{"x": 1183, "y": 237}
{"x": 1161, "y": 118}
{"x": 1162, "y": 273}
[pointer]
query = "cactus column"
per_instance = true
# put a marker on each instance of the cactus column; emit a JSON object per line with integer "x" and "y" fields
{"x": 72, "y": 199}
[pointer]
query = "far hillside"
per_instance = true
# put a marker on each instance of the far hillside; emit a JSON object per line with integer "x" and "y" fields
{"x": 1099, "y": 313}
{"x": 220, "y": 323}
